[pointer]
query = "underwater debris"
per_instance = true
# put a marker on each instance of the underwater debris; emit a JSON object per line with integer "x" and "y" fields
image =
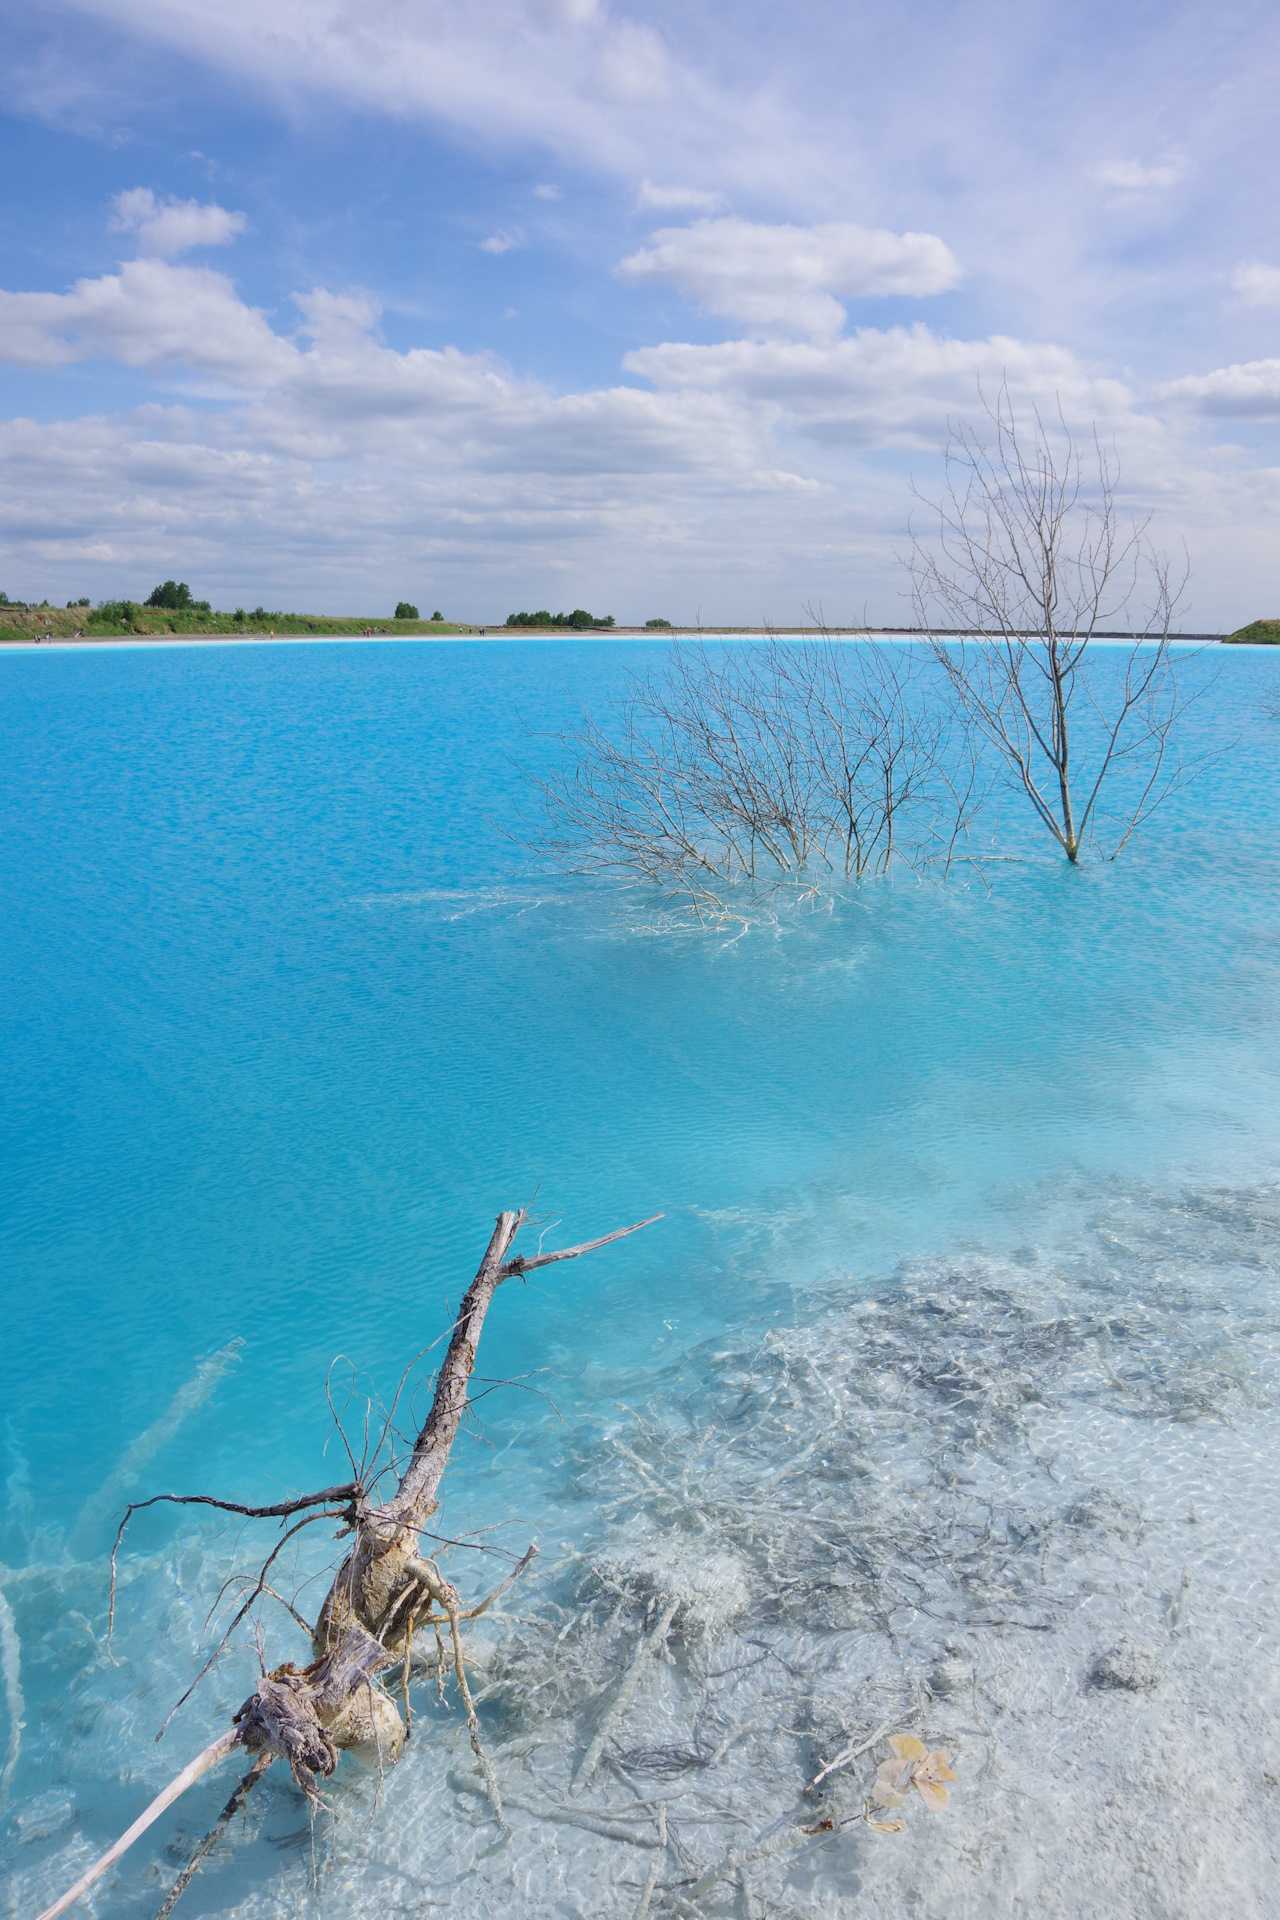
{"x": 940, "y": 1558}
{"x": 1126, "y": 1667}
{"x": 950, "y": 1675}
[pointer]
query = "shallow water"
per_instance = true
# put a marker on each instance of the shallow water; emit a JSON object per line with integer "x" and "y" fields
{"x": 292, "y": 1014}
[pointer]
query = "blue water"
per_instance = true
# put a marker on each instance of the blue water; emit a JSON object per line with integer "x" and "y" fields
{"x": 290, "y": 1012}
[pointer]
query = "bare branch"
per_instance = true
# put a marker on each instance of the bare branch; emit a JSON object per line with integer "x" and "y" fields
{"x": 528, "y": 1264}
{"x": 279, "y": 1511}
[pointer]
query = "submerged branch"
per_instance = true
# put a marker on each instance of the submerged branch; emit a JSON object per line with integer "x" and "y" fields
{"x": 244, "y": 1788}
{"x": 196, "y": 1769}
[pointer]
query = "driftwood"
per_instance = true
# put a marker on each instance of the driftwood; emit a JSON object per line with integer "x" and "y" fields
{"x": 385, "y": 1592}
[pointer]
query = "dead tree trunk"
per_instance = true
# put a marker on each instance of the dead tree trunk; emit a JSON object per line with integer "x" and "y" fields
{"x": 383, "y": 1594}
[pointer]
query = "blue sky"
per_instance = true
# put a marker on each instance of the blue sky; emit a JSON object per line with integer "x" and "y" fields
{"x": 650, "y": 309}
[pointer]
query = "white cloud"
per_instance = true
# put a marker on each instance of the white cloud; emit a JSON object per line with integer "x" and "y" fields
{"x": 1256, "y": 284}
{"x": 573, "y": 78}
{"x": 330, "y": 458}
{"x": 1141, "y": 177}
{"x": 504, "y": 241}
{"x": 547, "y": 190}
{"x": 617, "y": 493}
{"x": 337, "y": 318}
{"x": 333, "y": 458}
{"x": 313, "y": 411}
{"x": 786, "y": 279}
{"x": 633, "y": 65}
{"x": 148, "y": 314}
{"x": 1249, "y": 389}
{"x": 992, "y": 137}
{"x": 171, "y": 227}
{"x": 651, "y": 196}
{"x": 190, "y": 322}
{"x": 899, "y": 384}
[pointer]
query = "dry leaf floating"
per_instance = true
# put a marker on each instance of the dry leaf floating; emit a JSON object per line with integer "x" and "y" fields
{"x": 912, "y": 1764}
{"x": 930, "y": 1777}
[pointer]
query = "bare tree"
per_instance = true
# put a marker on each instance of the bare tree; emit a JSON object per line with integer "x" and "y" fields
{"x": 1032, "y": 558}
{"x": 736, "y": 773}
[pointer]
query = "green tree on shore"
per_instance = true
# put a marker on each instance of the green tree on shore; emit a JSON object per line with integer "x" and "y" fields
{"x": 173, "y": 595}
{"x": 579, "y": 620}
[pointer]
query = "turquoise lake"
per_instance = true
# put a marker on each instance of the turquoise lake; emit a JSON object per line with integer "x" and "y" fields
{"x": 291, "y": 1012}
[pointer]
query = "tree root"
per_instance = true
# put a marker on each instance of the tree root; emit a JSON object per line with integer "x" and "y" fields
{"x": 609, "y": 1826}
{"x": 382, "y": 1594}
{"x": 243, "y": 1789}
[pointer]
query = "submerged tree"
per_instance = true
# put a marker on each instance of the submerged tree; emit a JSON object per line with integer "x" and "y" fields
{"x": 1032, "y": 557}
{"x": 732, "y": 773}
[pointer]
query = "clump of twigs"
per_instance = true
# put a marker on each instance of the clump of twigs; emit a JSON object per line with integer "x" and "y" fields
{"x": 734, "y": 781}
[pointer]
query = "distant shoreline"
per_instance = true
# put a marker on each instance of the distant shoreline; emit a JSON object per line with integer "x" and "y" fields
{"x": 458, "y": 632}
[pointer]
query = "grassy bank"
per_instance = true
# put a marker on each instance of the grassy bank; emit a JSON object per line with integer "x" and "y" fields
{"x": 25, "y": 623}
{"x": 19, "y": 624}
{"x": 1258, "y": 633}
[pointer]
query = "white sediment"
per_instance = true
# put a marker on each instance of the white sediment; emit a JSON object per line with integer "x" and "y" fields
{"x": 1025, "y": 1505}
{"x": 11, "y": 1689}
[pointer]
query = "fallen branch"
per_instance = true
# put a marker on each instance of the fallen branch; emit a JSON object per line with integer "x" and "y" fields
{"x": 382, "y": 1595}
{"x": 646, "y": 1896}
{"x": 608, "y": 1826}
{"x": 527, "y": 1264}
